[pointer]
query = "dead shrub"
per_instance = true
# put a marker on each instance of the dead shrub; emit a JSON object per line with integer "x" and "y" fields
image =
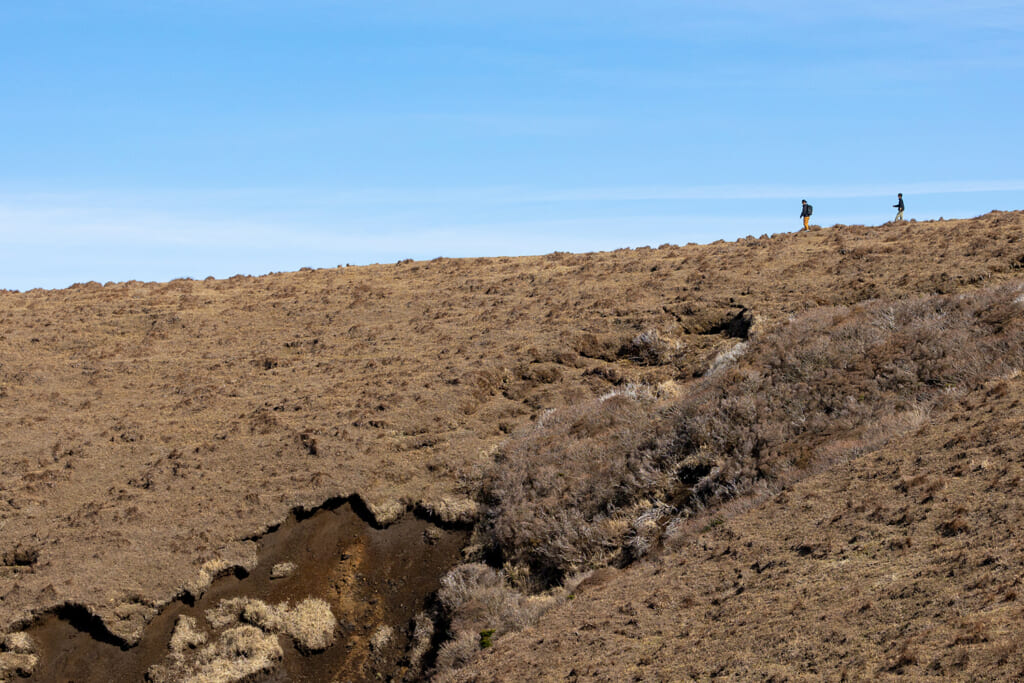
{"x": 422, "y": 637}
{"x": 382, "y": 636}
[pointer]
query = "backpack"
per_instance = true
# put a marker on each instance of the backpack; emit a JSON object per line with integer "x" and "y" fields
{"x": 810, "y": 210}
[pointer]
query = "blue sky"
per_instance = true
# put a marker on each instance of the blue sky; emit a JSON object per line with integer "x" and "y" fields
{"x": 186, "y": 138}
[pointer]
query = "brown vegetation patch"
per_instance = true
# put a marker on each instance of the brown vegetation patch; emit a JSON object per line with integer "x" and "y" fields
{"x": 596, "y": 483}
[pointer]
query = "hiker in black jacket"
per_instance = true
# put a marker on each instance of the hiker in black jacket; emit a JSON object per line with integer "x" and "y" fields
{"x": 899, "y": 207}
{"x": 806, "y": 212}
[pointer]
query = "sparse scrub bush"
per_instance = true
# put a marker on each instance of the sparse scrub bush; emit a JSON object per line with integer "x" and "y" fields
{"x": 460, "y": 584}
{"x": 480, "y": 605}
{"x": 556, "y": 493}
{"x": 455, "y": 654}
{"x": 645, "y": 530}
{"x": 595, "y": 483}
{"x": 474, "y": 597}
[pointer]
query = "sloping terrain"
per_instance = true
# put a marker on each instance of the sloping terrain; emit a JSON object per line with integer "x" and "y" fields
{"x": 151, "y": 433}
{"x": 905, "y": 562}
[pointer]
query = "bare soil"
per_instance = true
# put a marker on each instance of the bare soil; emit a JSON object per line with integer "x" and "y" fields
{"x": 147, "y": 429}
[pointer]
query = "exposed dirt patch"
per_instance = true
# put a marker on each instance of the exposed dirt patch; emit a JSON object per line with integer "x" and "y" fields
{"x": 371, "y": 578}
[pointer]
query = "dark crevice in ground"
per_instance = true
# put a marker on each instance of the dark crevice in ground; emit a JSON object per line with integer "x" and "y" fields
{"x": 82, "y": 620}
{"x": 736, "y": 326}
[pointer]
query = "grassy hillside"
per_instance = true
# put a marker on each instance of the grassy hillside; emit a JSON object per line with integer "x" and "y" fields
{"x": 580, "y": 411}
{"x": 903, "y": 562}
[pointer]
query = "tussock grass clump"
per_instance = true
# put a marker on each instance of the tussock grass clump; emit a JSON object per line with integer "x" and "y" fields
{"x": 226, "y": 612}
{"x": 247, "y": 644}
{"x": 241, "y": 653}
{"x": 186, "y": 635}
{"x": 311, "y": 624}
{"x": 283, "y": 570}
{"x": 19, "y": 642}
{"x": 597, "y": 483}
{"x": 236, "y": 557}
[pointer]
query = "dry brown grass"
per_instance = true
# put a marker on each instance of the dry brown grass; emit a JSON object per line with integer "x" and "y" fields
{"x": 150, "y": 427}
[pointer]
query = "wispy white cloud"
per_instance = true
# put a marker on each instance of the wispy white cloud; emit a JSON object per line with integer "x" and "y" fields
{"x": 184, "y": 204}
{"x": 742, "y": 192}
